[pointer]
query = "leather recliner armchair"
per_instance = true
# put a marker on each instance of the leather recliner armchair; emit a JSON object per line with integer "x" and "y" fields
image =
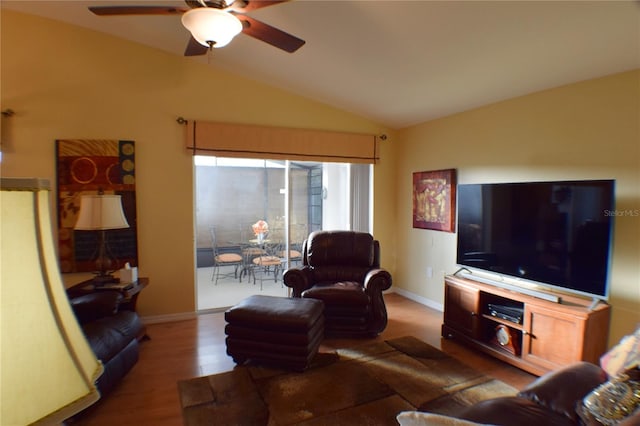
{"x": 342, "y": 268}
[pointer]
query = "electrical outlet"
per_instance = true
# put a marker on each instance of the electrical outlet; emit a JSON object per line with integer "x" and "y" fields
{"x": 429, "y": 272}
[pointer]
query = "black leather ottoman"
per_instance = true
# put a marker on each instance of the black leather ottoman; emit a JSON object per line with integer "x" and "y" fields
{"x": 275, "y": 330}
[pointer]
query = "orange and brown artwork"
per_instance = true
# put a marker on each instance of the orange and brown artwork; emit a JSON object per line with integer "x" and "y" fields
{"x": 89, "y": 167}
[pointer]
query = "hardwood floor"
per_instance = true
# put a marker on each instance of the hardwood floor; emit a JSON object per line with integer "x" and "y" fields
{"x": 185, "y": 349}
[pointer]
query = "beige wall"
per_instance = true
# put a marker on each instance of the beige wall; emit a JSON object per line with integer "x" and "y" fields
{"x": 66, "y": 82}
{"x": 587, "y": 130}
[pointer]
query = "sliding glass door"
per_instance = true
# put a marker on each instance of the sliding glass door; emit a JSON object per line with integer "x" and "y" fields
{"x": 264, "y": 209}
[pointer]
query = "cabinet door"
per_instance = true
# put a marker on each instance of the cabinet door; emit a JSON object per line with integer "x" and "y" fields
{"x": 553, "y": 339}
{"x": 462, "y": 308}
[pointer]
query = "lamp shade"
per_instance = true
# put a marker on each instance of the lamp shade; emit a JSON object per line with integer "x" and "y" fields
{"x": 101, "y": 212}
{"x": 48, "y": 369}
{"x": 211, "y": 26}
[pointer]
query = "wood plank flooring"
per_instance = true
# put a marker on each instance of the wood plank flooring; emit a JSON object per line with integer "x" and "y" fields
{"x": 148, "y": 395}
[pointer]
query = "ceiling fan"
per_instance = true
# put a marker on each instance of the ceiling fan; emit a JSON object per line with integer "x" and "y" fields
{"x": 214, "y": 23}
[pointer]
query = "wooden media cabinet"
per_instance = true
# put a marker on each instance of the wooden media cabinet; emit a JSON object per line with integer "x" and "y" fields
{"x": 544, "y": 337}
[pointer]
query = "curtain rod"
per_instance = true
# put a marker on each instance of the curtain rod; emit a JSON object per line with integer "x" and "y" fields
{"x": 184, "y": 121}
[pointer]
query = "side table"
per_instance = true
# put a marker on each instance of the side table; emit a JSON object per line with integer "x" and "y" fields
{"x": 129, "y": 292}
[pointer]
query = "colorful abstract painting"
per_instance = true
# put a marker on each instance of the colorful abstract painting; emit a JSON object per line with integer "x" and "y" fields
{"x": 434, "y": 200}
{"x": 91, "y": 167}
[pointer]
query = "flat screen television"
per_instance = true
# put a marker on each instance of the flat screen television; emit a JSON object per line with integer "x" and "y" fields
{"x": 555, "y": 234}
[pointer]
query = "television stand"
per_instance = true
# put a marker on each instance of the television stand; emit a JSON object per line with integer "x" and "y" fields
{"x": 528, "y": 332}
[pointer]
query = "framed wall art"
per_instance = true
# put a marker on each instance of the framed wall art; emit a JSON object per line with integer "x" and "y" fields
{"x": 91, "y": 167}
{"x": 434, "y": 200}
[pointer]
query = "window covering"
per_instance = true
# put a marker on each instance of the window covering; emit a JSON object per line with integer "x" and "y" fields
{"x": 253, "y": 141}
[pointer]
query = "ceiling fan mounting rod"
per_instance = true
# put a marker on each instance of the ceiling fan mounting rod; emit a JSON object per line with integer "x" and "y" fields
{"x": 214, "y": 4}
{"x": 239, "y": 4}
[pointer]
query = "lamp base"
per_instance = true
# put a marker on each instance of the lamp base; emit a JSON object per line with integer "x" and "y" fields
{"x": 100, "y": 280}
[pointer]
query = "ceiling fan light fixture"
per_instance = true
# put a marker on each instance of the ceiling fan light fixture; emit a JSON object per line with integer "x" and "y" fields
{"x": 211, "y": 26}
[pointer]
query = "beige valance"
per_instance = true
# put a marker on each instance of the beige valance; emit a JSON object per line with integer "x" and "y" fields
{"x": 252, "y": 141}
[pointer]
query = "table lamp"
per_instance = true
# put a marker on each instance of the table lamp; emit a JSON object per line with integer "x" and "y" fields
{"x": 48, "y": 370}
{"x": 101, "y": 213}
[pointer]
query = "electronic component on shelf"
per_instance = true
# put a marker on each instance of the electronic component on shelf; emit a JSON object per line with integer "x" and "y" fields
{"x": 505, "y": 312}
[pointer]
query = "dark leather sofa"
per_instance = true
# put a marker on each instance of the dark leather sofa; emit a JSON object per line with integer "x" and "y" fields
{"x": 555, "y": 399}
{"x": 111, "y": 333}
{"x": 342, "y": 269}
{"x": 550, "y": 400}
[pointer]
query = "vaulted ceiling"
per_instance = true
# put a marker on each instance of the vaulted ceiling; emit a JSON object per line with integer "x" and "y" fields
{"x": 401, "y": 62}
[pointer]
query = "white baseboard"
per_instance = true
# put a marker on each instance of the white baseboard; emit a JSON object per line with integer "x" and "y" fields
{"x": 157, "y": 319}
{"x": 212, "y": 311}
{"x": 422, "y": 300}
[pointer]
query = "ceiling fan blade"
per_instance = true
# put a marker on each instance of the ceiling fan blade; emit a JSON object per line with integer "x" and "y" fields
{"x": 194, "y": 48}
{"x": 136, "y": 10}
{"x": 269, "y": 34}
{"x": 244, "y": 6}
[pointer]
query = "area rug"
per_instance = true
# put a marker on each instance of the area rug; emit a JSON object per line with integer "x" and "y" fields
{"x": 365, "y": 385}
